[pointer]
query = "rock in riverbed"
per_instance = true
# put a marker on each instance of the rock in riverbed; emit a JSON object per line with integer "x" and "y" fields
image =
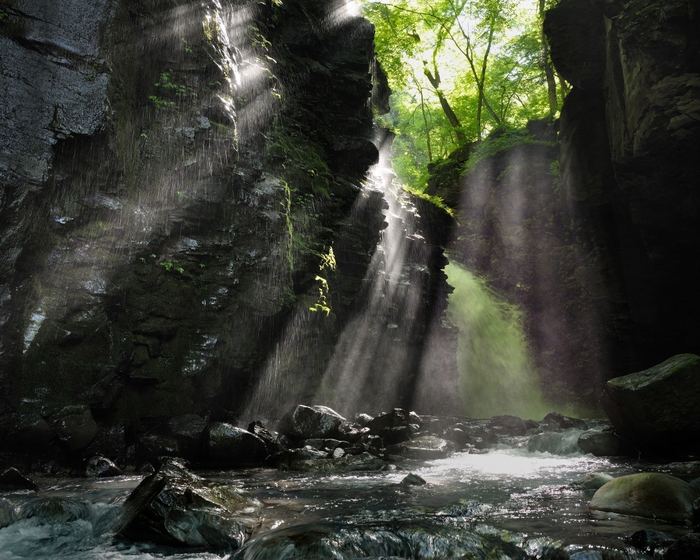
{"x": 174, "y": 507}
{"x": 658, "y": 409}
{"x": 652, "y": 495}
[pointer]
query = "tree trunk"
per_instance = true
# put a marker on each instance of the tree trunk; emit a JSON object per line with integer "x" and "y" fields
{"x": 548, "y": 70}
{"x": 447, "y": 109}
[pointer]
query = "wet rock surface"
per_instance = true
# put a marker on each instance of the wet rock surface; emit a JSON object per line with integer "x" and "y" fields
{"x": 658, "y": 409}
{"x": 230, "y": 446}
{"x": 177, "y": 508}
{"x": 99, "y": 467}
{"x": 653, "y": 495}
{"x": 143, "y": 287}
{"x": 304, "y": 422}
{"x": 12, "y": 479}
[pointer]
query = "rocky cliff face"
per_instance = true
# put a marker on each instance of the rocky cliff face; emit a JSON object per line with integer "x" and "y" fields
{"x": 593, "y": 231}
{"x": 630, "y": 139}
{"x": 181, "y": 190}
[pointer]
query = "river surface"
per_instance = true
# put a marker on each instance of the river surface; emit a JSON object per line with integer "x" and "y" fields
{"x": 523, "y": 499}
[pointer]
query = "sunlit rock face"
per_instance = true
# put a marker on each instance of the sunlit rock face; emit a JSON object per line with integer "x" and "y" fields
{"x": 181, "y": 205}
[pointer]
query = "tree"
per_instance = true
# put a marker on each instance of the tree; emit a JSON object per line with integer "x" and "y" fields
{"x": 459, "y": 69}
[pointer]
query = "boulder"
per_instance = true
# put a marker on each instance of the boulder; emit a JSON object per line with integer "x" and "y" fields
{"x": 592, "y": 481}
{"x": 306, "y": 422}
{"x": 363, "y": 419}
{"x": 458, "y": 436}
{"x": 11, "y": 479}
{"x": 75, "y": 427}
{"x": 100, "y": 467}
{"x": 658, "y": 409}
{"x": 413, "y": 480}
{"x": 685, "y": 548}
{"x": 152, "y": 446}
{"x": 600, "y": 444}
{"x": 424, "y": 448}
{"x": 652, "y": 495}
{"x": 174, "y": 507}
{"x": 188, "y": 430}
{"x": 505, "y": 424}
{"x": 648, "y": 540}
{"x": 398, "y": 417}
{"x": 556, "y": 421}
{"x": 271, "y": 439}
{"x": 230, "y": 446}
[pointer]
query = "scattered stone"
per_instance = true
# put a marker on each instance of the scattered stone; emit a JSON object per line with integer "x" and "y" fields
{"x": 152, "y": 446}
{"x": 600, "y": 444}
{"x": 653, "y": 495}
{"x": 592, "y": 481}
{"x": 685, "y": 548}
{"x": 271, "y": 439}
{"x": 188, "y": 430}
{"x": 396, "y": 434}
{"x": 174, "y": 507}
{"x": 648, "y": 540}
{"x": 11, "y": 479}
{"x": 146, "y": 468}
{"x": 413, "y": 480}
{"x": 363, "y": 419}
{"x": 338, "y": 452}
{"x": 347, "y": 463}
{"x": 458, "y": 436}
{"x": 315, "y": 443}
{"x": 351, "y": 432}
{"x": 424, "y": 448}
{"x": 230, "y": 446}
{"x": 658, "y": 409}
{"x": 505, "y": 424}
{"x": 101, "y": 467}
{"x": 398, "y": 417}
{"x": 305, "y": 422}
{"x": 556, "y": 421}
{"x": 484, "y": 438}
{"x": 75, "y": 427}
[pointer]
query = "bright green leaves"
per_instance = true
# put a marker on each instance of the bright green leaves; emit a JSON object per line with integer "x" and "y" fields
{"x": 458, "y": 69}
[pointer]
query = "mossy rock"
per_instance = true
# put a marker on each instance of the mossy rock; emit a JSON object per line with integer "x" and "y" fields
{"x": 651, "y": 495}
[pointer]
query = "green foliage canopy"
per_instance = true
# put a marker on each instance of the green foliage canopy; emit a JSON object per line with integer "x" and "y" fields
{"x": 458, "y": 69}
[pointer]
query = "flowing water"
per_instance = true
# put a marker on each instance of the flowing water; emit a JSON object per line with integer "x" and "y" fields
{"x": 511, "y": 502}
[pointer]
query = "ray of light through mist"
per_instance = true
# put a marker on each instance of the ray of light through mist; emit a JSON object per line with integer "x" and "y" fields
{"x": 495, "y": 370}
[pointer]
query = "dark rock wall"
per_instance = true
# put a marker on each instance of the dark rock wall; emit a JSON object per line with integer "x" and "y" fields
{"x": 630, "y": 135}
{"x": 181, "y": 205}
{"x": 594, "y": 231}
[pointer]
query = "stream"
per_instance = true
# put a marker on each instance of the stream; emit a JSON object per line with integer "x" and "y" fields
{"x": 506, "y": 503}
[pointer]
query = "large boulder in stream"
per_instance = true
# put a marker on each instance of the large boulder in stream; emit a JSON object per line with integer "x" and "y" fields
{"x": 230, "y": 446}
{"x": 658, "y": 409}
{"x": 174, "y": 507}
{"x": 306, "y": 422}
{"x": 652, "y": 495}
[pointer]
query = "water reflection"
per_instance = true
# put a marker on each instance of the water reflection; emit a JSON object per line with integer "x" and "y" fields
{"x": 509, "y": 498}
